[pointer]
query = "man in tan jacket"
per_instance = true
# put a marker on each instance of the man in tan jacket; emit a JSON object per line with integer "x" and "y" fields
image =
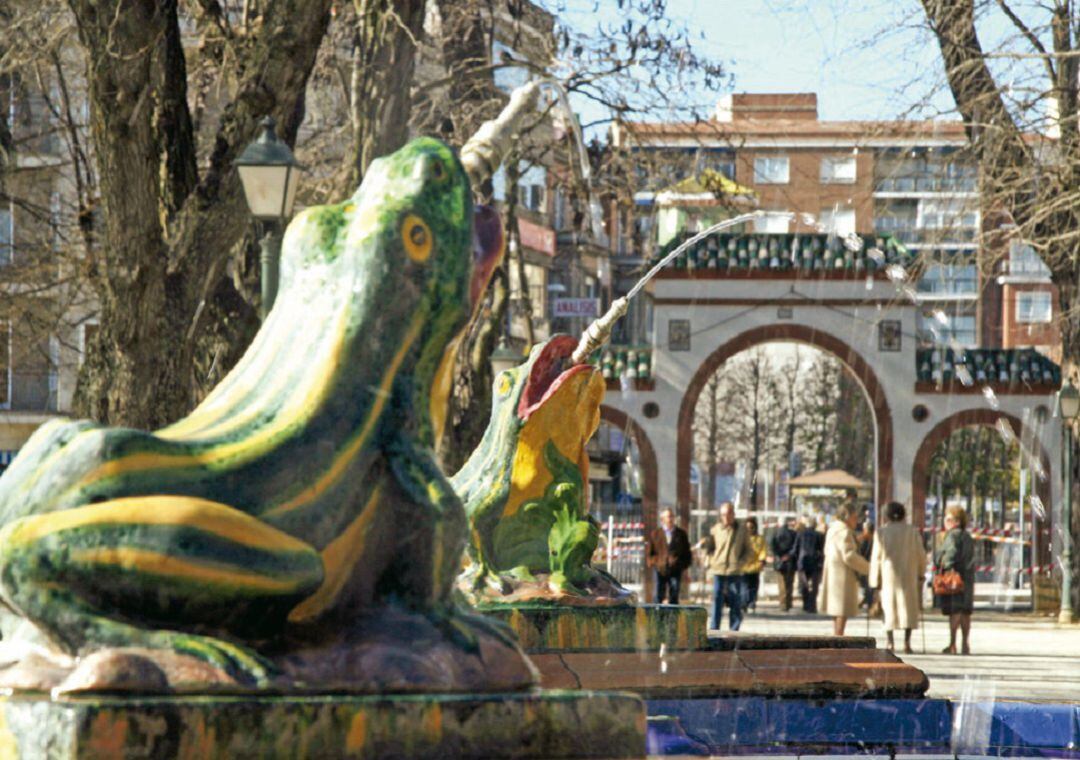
{"x": 728, "y": 550}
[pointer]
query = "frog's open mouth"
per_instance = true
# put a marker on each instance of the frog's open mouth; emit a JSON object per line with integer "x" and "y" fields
{"x": 551, "y": 370}
{"x": 487, "y": 250}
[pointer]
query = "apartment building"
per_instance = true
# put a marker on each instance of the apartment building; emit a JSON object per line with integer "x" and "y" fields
{"x": 911, "y": 180}
{"x": 45, "y": 317}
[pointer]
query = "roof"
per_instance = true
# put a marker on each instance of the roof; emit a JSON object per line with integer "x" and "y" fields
{"x": 802, "y": 127}
{"x": 828, "y": 479}
{"x": 709, "y": 186}
{"x": 725, "y": 251}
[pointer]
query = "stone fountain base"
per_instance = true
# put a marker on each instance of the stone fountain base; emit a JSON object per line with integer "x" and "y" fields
{"x": 536, "y": 724}
{"x": 639, "y": 627}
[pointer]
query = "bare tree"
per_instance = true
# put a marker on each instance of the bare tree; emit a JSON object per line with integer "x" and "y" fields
{"x": 1025, "y": 134}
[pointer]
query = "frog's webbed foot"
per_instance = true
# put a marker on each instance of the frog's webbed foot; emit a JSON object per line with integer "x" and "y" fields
{"x": 461, "y": 624}
{"x": 243, "y": 665}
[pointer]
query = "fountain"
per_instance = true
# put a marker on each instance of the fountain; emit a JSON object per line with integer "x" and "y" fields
{"x": 273, "y": 575}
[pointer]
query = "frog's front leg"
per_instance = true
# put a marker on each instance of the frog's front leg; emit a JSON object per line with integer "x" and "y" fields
{"x": 129, "y": 572}
{"x": 437, "y": 533}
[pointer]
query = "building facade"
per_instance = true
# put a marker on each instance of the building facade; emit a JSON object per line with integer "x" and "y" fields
{"x": 910, "y": 180}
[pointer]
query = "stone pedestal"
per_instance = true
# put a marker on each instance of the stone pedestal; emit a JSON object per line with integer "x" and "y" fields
{"x": 539, "y": 724}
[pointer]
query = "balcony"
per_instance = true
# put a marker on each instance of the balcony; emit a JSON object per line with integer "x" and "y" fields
{"x": 973, "y": 370}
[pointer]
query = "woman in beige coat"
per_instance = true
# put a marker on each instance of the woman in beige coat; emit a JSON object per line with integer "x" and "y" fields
{"x": 897, "y": 563}
{"x": 839, "y": 584}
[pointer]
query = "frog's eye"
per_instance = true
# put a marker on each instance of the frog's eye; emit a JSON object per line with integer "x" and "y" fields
{"x": 503, "y": 384}
{"x": 417, "y": 237}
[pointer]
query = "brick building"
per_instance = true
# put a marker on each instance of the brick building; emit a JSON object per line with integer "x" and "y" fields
{"x": 911, "y": 180}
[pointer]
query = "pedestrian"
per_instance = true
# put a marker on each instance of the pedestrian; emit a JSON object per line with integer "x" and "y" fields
{"x": 783, "y": 550}
{"x": 839, "y": 583}
{"x": 753, "y": 567}
{"x": 897, "y": 563}
{"x": 668, "y": 555}
{"x": 956, "y": 557}
{"x": 728, "y": 550}
{"x": 808, "y": 557}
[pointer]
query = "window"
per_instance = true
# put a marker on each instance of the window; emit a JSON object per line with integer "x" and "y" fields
{"x": 838, "y": 170}
{"x": 7, "y": 236}
{"x": 1034, "y": 306}
{"x": 498, "y": 185}
{"x": 86, "y": 338}
{"x": 773, "y": 221}
{"x": 838, "y": 221}
{"x": 938, "y": 328}
{"x": 949, "y": 279}
{"x": 942, "y": 214}
{"x": 532, "y": 188}
{"x": 771, "y": 170}
{"x": 5, "y": 364}
{"x": 1024, "y": 261}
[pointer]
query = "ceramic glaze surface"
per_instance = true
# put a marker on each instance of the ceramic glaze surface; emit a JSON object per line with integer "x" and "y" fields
{"x": 301, "y": 496}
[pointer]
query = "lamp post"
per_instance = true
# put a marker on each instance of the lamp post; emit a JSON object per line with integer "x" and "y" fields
{"x": 504, "y": 357}
{"x": 1068, "y": 406}
{"x": 269, "y": 173}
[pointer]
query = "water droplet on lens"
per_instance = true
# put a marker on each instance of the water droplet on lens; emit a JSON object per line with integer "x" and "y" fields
{"x": 869, "y": 282}
{"x": 991, "y": 398}
{"x": 808, "y": 219}
{"x": 877, "y": 255}
{"x": 853, "y": 242}
{"x": 896, "y": 273}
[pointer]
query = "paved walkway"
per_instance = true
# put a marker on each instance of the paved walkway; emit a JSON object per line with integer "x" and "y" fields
{"x": 1015, "y": 655}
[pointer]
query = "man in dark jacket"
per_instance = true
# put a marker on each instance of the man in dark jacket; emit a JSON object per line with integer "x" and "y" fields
{"x": 809, "y": 561}
{"x": 783, "y": 547}
{"x": 668, "y": 554}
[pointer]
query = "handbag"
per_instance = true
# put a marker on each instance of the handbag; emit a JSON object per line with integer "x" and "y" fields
{"x": 948, "y": 583}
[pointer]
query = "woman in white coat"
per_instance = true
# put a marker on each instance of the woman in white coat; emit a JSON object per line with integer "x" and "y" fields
{"x": 897, "y": 563}
{"x": 839, "y": 582}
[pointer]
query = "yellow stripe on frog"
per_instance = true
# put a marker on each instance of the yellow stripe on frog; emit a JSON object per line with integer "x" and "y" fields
{"x": 341, "y": 462}
{"x": 162, "y": 565}
{"x": 224, "y": 416}
{"x": 300, "y": 407}
{"x": 188, "y": 511}
{"x": 339, "y": 557}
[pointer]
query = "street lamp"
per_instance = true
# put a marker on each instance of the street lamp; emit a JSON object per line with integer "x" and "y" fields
{"x": 269, "y": 173}
{"x": 1068, "y": 407}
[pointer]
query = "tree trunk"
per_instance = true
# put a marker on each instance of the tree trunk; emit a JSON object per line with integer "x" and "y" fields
{"x": 388, "y": 33}
{"x": 169, "y": 232}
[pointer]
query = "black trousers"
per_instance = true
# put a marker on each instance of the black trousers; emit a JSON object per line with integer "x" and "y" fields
{"x": 785, "y": 579}
{"x": 808, "y": 589}
{"x": 667, "y": 586}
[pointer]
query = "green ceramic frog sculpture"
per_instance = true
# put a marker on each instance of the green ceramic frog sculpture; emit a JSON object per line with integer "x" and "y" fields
{"x": 532, "y": 539}
{"x": 294, "y": 529}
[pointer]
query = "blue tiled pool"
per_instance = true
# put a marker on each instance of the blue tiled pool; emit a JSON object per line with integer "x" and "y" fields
{"x": 913, "y": 728}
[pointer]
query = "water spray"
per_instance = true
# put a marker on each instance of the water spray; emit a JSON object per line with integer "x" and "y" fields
{"x": 598, "y": 332}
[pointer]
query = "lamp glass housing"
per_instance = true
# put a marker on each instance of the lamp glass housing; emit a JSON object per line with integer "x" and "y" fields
{"x": 504, "y": 358}
{"x": 1069, "y": 401}
{"x": 270, "y": 190}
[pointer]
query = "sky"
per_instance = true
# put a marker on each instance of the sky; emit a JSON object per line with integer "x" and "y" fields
{"x": 865, "y": 60}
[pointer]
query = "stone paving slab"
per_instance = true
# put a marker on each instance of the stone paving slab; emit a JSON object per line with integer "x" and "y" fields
{"x": 831, "y": 672}
{"x": 532, "y": 724}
